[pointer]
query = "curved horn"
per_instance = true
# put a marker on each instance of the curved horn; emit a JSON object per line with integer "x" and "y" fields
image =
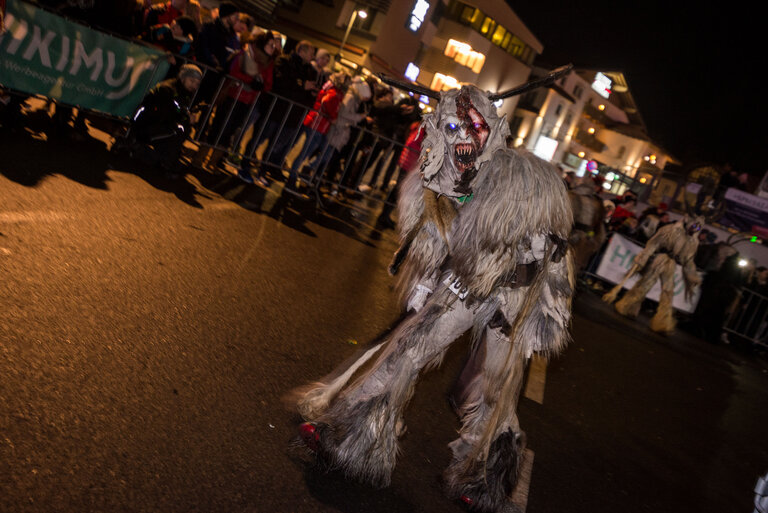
{"x": 533, "y": 84}
{"x": 408, "y": 86}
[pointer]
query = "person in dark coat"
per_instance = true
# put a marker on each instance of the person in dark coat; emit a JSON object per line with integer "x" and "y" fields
{"x": 162, "y": 122}
{"x": 215, "y": 43}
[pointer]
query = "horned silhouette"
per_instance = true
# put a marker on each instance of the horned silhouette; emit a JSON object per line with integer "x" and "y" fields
{"x": 533, "y": 84}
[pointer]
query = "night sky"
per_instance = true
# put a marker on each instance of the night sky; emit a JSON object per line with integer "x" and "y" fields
{"x": 694, "y": 74}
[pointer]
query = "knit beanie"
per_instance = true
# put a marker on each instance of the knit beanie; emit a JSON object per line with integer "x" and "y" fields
{"x": 227, "y": 9}
{"x": 190, "y": 70}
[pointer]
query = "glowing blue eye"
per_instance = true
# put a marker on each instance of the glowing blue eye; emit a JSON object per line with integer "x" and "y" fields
{"x": 452, "y": 126}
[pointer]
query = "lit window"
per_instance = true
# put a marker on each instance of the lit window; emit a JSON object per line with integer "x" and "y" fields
{"x": 488, "y": 26}
{"x": 412, "y": 71}
{"x": 442, "y": 82}
{"x": 464, "y": 55}
{"x": 498, "y": 35}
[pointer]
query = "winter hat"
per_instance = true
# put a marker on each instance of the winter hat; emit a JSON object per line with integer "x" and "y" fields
{"x": 227, "y": 9}
{"x": 190, "y": 70}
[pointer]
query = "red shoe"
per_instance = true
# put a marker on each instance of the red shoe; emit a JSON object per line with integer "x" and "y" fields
{"x": 310, "y": 436}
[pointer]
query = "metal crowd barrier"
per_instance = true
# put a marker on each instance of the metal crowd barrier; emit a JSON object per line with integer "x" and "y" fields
{"x": 357, "y": 154}
{"x": 749, "y": 319}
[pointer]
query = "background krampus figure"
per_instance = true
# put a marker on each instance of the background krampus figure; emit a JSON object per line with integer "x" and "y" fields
{"x": 483, "y": 231}
{"x": 673, "y": 243}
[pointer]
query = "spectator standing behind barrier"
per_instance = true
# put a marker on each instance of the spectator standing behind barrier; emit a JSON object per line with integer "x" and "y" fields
{"x": 349, "y": 115}
{"x": 386, "y": 116}
{"x": 406, "y": 163}
{"x": 176, "y": 38}
{"x": 165, "y": 13}
{"x": 320, "y": 63}
{"x": 293, "y": 79}
{"x": 317, "y": 122}
{"x": 162, "y": 122}
{"x": 409, "y": 112}
{"x": 252, "y": 66}
{"x": 216, "y": 42}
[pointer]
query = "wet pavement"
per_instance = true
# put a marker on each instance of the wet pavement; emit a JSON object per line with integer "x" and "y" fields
{"x": 149, "y": 329}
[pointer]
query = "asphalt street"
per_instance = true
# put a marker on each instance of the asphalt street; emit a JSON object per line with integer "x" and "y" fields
{"x": 150, "y": 328}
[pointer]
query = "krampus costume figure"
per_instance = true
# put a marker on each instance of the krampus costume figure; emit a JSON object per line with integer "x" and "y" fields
{"x": 672, "y": 243}
{"x": 483, "y": 231}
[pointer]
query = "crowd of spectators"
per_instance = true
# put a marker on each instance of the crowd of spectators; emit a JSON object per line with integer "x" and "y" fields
{"x": 248, "y": 90}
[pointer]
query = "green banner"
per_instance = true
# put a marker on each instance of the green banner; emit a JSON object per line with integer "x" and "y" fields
{"x": 41, "y": 53}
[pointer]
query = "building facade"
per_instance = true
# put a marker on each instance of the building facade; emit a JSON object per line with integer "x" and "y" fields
{"x": 435, "y": 43}
{"x": 590, "y": 116}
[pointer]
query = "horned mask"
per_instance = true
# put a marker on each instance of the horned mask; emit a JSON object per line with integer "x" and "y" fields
{"x": 462, "y": 134}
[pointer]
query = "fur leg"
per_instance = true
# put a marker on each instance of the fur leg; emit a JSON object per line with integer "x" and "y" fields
{"x": 362, "y": 424}
{"x": 488, "y": 486}
{"x": 487, "y": 481}
{"x": 664, "y": 320}
{"x": 630, "y": 303}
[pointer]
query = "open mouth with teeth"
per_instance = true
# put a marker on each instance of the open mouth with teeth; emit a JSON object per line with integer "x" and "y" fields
{"x": 464, "y": 155}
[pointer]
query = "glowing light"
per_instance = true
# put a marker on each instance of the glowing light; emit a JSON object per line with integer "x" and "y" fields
{"x": 498, "y": 103}
{"x": 443, "y": 82}
{"x": 591, "y": 130}
{"x": 581, "y": 154}
{"x": 412, "y": 72}
{"x": 601, "y": 107}
{"x": 424, "y": 99}
{"x": 422, "y": 106}
{"x": 362, "y": 14}
{"x": 463, "y": 54}
{"x": 742, "y": 262}
{"x": 607, "y": 185}
{"x": 643, "y": 180}
{"x": 418, "y": 14}
{"x": 753, "y": 238}
{"x": 602, "y": 85}
{"x": 611, "y": 177}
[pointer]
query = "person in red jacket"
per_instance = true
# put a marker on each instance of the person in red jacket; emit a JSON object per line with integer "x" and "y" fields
{"x": 252, "y": 66}
{"x": 318, "y": 121}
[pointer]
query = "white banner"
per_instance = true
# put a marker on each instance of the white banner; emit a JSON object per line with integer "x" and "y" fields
{"x": 617, "y": 260}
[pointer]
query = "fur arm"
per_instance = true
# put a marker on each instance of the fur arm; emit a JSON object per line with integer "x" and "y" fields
{"x": 422, "y": 248}
{"x": 690, "y": 276}
{"x": 662, "y": 237}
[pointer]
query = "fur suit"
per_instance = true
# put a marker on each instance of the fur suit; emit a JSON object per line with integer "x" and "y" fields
{"x": 672, "y": 243}
{"x": 483, "y": 230}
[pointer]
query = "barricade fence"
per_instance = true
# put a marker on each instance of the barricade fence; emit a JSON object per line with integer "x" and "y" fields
{"x": 748, "y": 318}
{"x": 224, "y": 124}
{"x": 240, "y": 130}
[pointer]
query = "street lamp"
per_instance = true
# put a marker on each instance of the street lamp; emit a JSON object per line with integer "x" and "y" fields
{"x": 357, "y": 12}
